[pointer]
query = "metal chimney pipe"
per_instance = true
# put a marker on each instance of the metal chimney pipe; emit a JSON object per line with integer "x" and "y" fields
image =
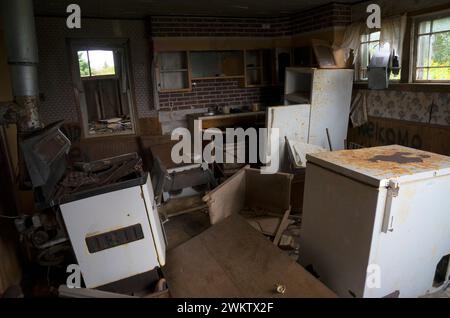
{"x": 21, "y": 46}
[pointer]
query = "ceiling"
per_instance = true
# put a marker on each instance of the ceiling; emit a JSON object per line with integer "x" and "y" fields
{"x": 143, "y": 8}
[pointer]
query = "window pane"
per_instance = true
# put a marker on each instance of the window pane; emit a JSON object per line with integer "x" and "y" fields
{"x": 422, "y": 74}
{"x": 364, "y": 55}
{"x": 373, "y": 47}
{"x": 439, "y": 74}
{"x": 440, "y": 49}
{"x": 441, "y": 24}
{"x": 363, "y": 74}
{"x": 424, "y": 27}
{"x": 101, "y": 62}
{"x": 375, "y": 36}
{"x": 422, "y": 50}
{"x": 83, "y": 63}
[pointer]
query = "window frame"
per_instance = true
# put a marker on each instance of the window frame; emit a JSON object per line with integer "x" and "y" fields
{"x": 415, "y": 42}
{"x": 359, "y": 67}
{"x": 76, "y": 44}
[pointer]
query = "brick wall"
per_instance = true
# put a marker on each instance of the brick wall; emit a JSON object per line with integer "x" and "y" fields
{"x": 329, "y": 15}
{"x": 333, "y": 14}
{"x": 166, "y": 26}
{"x": 221, "y": 92}
{"x": 218, "y": 92}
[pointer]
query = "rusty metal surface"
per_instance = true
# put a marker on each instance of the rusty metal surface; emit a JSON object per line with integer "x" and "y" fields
{"x": 99, "y": 174}
{"x": 384, "y": 162}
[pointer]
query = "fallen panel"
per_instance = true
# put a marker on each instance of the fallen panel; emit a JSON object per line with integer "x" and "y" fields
{"x": 231, "y": 259}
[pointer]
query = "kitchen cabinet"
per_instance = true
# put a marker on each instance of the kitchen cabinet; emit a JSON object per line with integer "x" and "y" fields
{"x": 217, "y": 64}
{"x": 173, "y": 71}
{"x": 259, "y": 67}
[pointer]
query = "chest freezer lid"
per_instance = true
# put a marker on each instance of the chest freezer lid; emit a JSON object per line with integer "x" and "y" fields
{"x": 376, "y": 166}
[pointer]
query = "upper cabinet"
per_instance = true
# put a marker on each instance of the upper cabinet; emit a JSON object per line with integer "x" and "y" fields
{"x": 253, "y": 68}
{"x": 172, "y": 71}
{"x": 217, "y": 64}
{"x": 259, "y": 67}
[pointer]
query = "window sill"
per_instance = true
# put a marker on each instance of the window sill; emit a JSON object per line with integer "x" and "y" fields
{"x": 413, "y": 87}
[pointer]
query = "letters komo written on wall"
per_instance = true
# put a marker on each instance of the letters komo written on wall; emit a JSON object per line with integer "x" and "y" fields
{"x": 383, "y": 131}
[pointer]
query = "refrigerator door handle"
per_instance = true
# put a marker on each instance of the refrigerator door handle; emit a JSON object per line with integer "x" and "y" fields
{"x": 388, "y": 219}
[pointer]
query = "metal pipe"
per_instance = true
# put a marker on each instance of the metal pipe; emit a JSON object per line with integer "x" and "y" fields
{"x": 21, "y": 46}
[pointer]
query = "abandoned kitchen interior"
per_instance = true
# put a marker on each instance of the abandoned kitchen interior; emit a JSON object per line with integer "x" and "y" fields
{"x": 225, "y": 149}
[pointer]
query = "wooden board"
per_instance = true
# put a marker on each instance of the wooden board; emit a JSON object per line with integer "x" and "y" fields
{"x": 233, "y": 120}
{"x": 150, "y": 126}
{"x": 383, "y": 131}
{"x": 182, "y": 205}
{"x": 228, "y": 198}
{"x": 231, "y": 259}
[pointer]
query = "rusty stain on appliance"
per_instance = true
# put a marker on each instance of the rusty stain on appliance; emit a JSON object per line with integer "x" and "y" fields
{"x": 399, "y": 157}
{"x": 391, "y": 160}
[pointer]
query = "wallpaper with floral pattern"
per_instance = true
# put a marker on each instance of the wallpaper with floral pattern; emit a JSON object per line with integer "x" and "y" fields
{"x": 421, "y": 107}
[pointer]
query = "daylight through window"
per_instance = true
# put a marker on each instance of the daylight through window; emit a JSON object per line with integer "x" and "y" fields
{"x": 96, "y": 63}
{"x": 433, "y": 53}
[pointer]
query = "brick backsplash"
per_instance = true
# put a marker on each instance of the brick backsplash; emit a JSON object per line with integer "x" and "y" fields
{"x": 333, "y": 14}
{"x": 219, "y": 92}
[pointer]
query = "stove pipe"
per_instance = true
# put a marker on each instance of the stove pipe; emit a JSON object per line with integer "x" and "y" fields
{"x": 21, "y": 45}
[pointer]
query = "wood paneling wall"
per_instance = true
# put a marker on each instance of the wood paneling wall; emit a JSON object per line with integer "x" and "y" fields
{"x": 382, "y": 131}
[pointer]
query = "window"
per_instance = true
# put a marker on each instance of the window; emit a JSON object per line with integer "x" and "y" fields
{"x": 96, "y": 63}
{"x": 369, "y": 43}
{"x": 432, "y": 58}
{"x": 101, "y": 79}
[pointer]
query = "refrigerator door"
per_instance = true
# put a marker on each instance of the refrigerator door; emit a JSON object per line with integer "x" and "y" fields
{"x": 378, "y": 165}
{"x": 330, "y": 107}
{"x": 292, "y": 122}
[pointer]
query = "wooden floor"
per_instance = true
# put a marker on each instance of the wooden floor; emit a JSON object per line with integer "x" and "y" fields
{"x": 232, "y": 259}
{"x": 182, "y": 228}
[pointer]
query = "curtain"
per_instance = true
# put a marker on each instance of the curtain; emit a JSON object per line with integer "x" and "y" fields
{"x": 358, "y": 110}
{"x": 352, "y": 39}
{"x": 393, "y": 32}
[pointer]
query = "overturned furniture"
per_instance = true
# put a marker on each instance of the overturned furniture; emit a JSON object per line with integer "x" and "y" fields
{"x": 263, "y": 199}
{"x": 178, "y": 187}
{"x": 290, "y": 125}
{"x": 106, "y": 206}
{"x": 231, "y": 259}
{"x": 376, "y": 221}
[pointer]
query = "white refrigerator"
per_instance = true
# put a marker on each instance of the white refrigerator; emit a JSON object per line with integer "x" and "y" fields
{"x": 376, "y": 221}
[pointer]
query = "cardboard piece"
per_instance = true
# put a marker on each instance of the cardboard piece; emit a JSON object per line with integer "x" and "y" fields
{"x": 254, "y": 193}
{"x": 231, "y": 259}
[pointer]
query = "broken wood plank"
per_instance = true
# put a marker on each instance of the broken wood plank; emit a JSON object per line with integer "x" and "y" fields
{"x": 231, "y": 259}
